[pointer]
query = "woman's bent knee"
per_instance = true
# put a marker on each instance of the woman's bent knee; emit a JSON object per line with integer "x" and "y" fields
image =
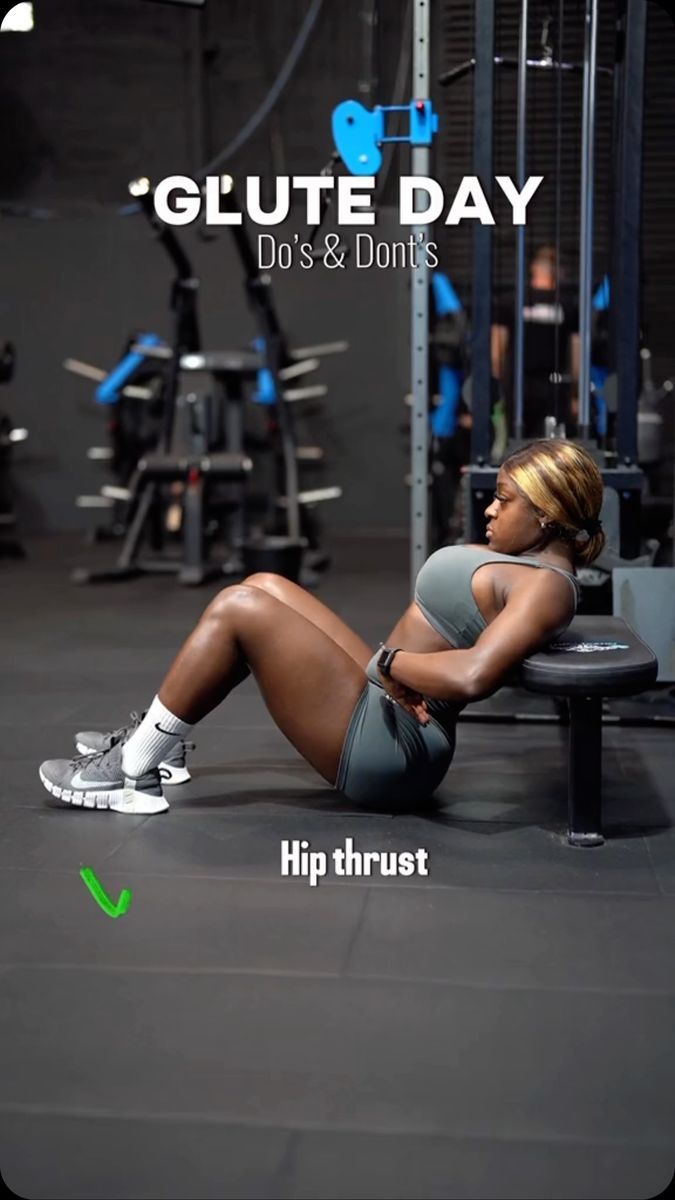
{"x": 237, "y": 594}
{"x": 267, "y": 580}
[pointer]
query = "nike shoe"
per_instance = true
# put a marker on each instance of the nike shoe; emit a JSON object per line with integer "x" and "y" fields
{"x": 98, "y": 781}
{"x": 171, "y": 770}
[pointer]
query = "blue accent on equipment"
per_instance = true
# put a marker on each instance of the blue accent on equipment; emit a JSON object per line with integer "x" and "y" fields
{"x": 598, "y": 379}
{"x": 602, "y": 296}
{"x": 446, "y": 299}
{"x": 359, "y": 133}
{"x": 108, "y": 391}
{"x": 265, "y": 392}
{"x": 444, "y": 418}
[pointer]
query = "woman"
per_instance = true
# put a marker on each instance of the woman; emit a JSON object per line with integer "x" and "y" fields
{"x": 377, "y": 726}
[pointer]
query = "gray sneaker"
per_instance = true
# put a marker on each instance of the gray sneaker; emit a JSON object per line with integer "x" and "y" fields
{"x": 172, "y": 769}
{"x": 98, "y": 781}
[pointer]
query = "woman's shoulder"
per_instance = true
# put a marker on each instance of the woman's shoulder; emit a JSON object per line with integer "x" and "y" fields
{"x": 525, "y": 560}
{"x": 455, "y": 555}
{"x": 463, "y": 548}
{"x": 469, "y": 552}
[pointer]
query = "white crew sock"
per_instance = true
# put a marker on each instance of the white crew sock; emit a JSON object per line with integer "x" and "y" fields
{"x": 152, "y": 740}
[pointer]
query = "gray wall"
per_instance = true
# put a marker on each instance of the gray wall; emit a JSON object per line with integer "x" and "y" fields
{"x": 103, "y": 90}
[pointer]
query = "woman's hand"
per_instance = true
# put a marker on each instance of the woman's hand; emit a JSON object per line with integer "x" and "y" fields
{"x": 413, "y": 702}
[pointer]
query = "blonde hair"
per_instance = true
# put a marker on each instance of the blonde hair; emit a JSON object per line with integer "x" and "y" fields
{"x": 564, "y": 485}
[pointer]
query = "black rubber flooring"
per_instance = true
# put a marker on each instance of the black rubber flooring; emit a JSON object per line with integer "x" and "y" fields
{"x": 501, "y": 1028}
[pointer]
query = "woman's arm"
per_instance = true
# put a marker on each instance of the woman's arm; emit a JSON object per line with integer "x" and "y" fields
{"x": 533, "y": 614}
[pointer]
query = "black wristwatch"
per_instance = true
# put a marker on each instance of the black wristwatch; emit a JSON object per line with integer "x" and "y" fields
{"x": 385, "y": 658}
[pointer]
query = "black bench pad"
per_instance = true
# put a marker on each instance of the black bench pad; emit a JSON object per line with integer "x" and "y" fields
{"x": 224, "y": 465}
{"x": 625, "y": 666}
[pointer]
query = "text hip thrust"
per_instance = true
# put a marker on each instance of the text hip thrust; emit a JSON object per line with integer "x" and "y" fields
{"x": 297, "y": 859}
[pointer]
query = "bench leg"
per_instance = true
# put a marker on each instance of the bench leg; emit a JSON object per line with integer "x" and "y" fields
{"x": 193, "y": 570}
{"x": 585, "y": 770}
{"x": 147, "y": 495}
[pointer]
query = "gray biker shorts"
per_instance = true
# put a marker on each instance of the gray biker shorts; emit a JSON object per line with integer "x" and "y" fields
{"x": 387, "y": 754}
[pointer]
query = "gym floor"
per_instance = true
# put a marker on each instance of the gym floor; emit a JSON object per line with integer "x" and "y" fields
{"x": 501, "y": 1028}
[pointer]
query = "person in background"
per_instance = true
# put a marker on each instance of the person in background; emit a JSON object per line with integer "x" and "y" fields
{"x": 550, "y": 349}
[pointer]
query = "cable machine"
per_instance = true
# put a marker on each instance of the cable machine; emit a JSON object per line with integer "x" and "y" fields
{"x": 619, "y": 468}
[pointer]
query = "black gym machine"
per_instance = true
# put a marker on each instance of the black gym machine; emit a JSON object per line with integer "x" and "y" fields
{"x": 195, "y": 471}
{"x": 585, "y": 691}
{"x": 210, "y": 468}
{"x": 619, "y": 467}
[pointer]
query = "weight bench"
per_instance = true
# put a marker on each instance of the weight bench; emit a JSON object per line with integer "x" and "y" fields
{"x": 594, "y": 658}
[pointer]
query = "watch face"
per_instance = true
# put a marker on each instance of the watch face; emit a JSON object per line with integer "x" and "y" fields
{"x": 383, "y": 660}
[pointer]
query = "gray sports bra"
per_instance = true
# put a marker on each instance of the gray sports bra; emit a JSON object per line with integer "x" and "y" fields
{"x": 443, "y": 590}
